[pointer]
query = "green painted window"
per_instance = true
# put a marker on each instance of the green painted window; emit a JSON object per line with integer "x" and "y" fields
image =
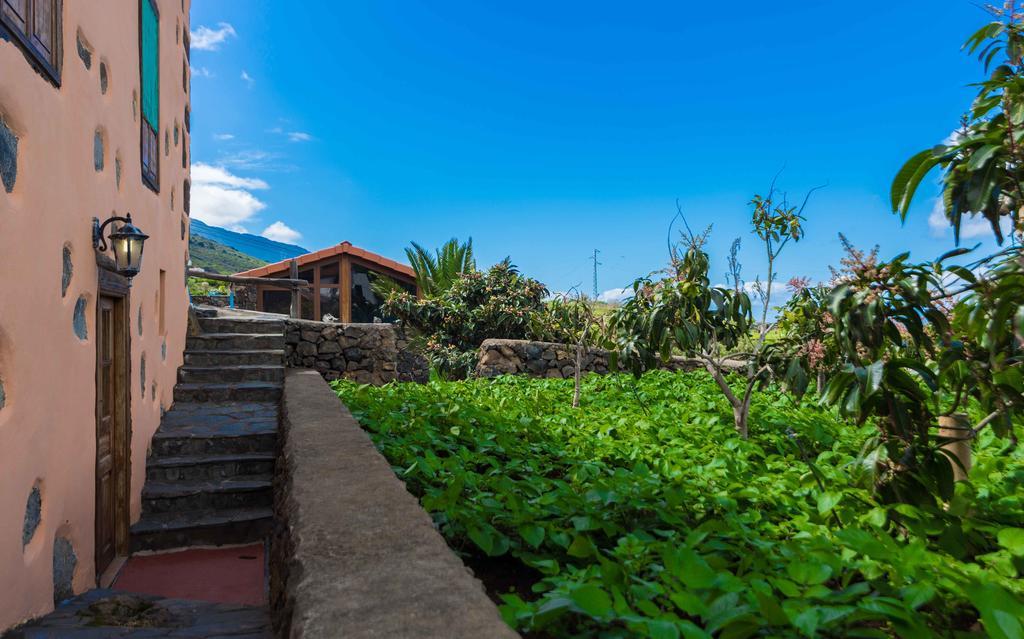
{"x": 149, "y": 65}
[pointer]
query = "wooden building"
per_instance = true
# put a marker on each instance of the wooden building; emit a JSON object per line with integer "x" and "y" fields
{"x": 341, "y": 278}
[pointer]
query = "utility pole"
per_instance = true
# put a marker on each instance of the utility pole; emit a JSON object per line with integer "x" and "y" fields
{"x": 596, "y": 264}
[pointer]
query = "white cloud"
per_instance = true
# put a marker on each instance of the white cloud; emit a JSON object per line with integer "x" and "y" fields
{"x": 248, "y": 78}
{"x": 223, "y": 199}
{"x": 201, "y": 72}
{"x": 206, "y": 39}
{"x": 222, "y": 206}
{"x": 223, "y": 137}
{"x": 615, "y": 295}
{"x": 971, "y": 226}
{"x": 281, "y": 232}
{"x": 299, "y": 136}
{"x": 208, "y": 174}
{"x": 255, "y": 160}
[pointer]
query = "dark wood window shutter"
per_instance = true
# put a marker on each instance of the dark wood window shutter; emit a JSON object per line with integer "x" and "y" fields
{"x": 15, "y": 14}
{"x": 44, "y": 36}
{"x": 36, "y": 26}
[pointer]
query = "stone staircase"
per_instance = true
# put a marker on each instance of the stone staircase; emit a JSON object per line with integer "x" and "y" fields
{"x": 210, "y": 469}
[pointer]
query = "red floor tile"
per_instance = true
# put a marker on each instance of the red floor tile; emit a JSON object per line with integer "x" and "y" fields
{"x": 223, "y": 575}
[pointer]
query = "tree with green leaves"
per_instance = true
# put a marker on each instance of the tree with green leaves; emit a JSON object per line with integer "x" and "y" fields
{"x": 983, "y": 160}
{"x": 942, "y": 339}
{"x": 683, "y": 313}
{"x": 435, "y": 272}
{"x": 922, "y": 341}
{"x": 569, "y": 318}
{"x": 438, "y": 272}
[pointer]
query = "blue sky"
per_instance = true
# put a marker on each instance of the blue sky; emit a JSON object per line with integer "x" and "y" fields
{"x": 545, "y": 130}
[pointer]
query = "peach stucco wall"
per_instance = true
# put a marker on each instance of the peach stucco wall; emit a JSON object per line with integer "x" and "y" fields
{"x": 47, "y": 425}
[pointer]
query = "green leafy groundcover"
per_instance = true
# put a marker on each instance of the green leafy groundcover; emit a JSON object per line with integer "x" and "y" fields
{"x": 642, "y": 514}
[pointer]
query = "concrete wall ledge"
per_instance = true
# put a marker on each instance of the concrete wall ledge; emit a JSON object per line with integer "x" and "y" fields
{"x": 355, "y": 555}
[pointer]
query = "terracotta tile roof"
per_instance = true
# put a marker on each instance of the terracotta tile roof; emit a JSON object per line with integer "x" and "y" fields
{"x": 338, "y": 249}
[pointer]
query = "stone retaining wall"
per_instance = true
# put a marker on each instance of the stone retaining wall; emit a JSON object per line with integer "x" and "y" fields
{"x": 365, "y": 353}
{"x": 549, "y": 359}
{"x": 353, "y": 554}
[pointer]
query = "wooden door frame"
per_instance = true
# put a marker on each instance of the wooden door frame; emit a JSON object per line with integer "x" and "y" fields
{"x": 116, "y": 288}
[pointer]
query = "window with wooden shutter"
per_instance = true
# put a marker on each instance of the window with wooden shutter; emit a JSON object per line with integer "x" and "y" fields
{"x": 36, "y": 26}
{"x": 149, "y": 69}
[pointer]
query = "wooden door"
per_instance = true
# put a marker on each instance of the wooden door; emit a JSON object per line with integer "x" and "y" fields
{"x": 111, "y": 431}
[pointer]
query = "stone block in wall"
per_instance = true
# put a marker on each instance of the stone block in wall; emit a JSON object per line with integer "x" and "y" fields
{"x": 329, "y": 348}
{"x": 353, "y": 352}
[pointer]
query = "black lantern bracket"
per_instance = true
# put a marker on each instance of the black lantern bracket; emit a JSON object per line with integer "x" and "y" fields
{"x": 127, "y": 240}
{"x": 98, "y": 241}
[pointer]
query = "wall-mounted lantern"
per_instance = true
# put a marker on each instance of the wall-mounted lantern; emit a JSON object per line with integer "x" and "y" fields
{"x": 126, "y": 240}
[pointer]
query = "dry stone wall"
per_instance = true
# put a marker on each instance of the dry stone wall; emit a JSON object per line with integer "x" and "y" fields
{"x": 365, "y": 353}
{"x": 549, "y": 359}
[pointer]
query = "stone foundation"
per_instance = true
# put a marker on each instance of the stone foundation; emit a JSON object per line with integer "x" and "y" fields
{"x": 365, "y": 353}
{"x": 549, "y": 359}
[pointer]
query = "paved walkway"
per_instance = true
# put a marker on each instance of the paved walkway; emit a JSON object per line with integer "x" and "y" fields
{"x": 221, "y": 575}
{"x": 105, "y": 614}
{"x": 213, "y": 593}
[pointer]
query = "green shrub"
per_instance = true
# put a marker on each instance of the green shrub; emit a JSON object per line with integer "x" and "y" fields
{"x": 641, "y": 514}
{"x": 498, "y": 303}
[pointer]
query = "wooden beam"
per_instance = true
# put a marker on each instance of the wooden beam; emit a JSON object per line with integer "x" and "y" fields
{"x": 283, "y": 282}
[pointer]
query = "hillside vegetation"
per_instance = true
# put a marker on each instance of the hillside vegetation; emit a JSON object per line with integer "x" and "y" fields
{"x": 214, "y": 256}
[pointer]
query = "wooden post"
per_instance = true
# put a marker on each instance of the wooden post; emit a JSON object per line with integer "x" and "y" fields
{"x": 957, "y": 427}
{"x": 345, "y": 294}
{"x": 293, "y": 273}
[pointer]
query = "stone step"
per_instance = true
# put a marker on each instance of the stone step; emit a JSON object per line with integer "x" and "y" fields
{"x": 215, "y": 494}
{"x": 265, "y": 357}
{"x": 234, "y": 341}
{"x": 228, "y": 392}
{"x": 171, "y": 444}
{"x": 208, "y": 428}
{"x": 162, "y": 531}
{"x": 209, "y": 467}
{"x": 231, "y": 373}
{"x": 241, "y": 325}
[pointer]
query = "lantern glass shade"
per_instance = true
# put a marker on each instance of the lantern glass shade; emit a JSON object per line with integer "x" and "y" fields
{"x": 127, "y": 243}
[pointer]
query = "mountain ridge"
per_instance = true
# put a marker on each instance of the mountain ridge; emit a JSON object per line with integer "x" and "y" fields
{"x": 251, "y": 245}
